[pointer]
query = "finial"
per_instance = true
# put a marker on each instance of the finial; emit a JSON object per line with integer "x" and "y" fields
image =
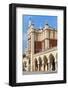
{"x": 46, "y": 25}
{"x": 40, "y": 22}
{"x": 46, "y": 22}
{"x": 30, "y": 21}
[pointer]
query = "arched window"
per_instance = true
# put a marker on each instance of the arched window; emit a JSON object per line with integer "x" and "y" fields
{"x": 52, "y": 62}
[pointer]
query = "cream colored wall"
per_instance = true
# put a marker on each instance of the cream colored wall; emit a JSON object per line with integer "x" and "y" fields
{"x": 55, "y": 34}
{"x": 51, "y": 34}
{"x": 45, "y": 34}
{"x": 39, "y": 36}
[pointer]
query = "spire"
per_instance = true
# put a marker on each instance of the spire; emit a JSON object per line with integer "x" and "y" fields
{"x": 40, "y": 22}
{"x": 30, "y": 22}
{"x": 47, "y": 22}
{"x": 30, "y": 25}
{"x": 46, "y": 25}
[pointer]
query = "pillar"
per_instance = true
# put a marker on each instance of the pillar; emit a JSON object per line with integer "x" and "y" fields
{"x": 49, "y": 65}
{"x": 56, "y": 64}
{"x": 38, "y": 66}
{"x": 42, "y": 65}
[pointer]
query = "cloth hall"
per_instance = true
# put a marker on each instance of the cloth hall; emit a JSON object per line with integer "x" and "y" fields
{"x": 41, "y": 54}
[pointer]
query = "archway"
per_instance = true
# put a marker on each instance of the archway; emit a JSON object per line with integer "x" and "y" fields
{"x": 40, "y": 63}
{"x": 52, "y": 62}
{"x": 45, "y": 63}
{"x": 36, "y": 65}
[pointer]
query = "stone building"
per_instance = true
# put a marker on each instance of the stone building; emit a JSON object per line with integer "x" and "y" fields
{"x": 42, "y": 48}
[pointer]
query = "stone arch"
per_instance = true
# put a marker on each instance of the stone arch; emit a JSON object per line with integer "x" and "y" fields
{"x": 36, "y": 64}
{"x": 40, "y": 63}
{"x": 52, "y": 62}
{"x": 45, "y": 63}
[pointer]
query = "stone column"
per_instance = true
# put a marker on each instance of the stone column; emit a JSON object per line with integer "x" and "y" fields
{"x": 42, "y": 65}
{"x": 56, "y": 64}
{"x": 34, "y": 66}
{"x": 48, "y": 65}
{"x": 38, "y": 67}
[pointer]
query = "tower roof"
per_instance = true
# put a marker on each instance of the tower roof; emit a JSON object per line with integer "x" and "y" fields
{"x": 30, "y": 22}
{"x": 46, "y": 25}
{"x": 30, "y": 26}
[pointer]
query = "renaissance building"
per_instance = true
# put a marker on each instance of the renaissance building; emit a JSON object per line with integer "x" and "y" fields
{"x": 41, "y": 49}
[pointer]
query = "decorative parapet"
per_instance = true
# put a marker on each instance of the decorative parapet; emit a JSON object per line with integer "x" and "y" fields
{"x": 45, "y": 52}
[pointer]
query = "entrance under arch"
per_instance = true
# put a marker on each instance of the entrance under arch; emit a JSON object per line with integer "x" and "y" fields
{"x": 40, "y": 63}
{"x": 52, "y": 62}
{"x": 45, "y": 63}
{"x": 36, "y": 65}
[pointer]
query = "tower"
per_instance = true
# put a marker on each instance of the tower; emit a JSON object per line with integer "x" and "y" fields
{"x": 47, "y": 35}
{"x": 31, "y": 41}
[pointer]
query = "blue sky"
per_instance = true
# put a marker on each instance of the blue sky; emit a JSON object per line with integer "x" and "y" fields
{"x": 37, "y": 21}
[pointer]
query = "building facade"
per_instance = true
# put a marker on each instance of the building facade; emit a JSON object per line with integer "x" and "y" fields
{"x": 42, "y": 48}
